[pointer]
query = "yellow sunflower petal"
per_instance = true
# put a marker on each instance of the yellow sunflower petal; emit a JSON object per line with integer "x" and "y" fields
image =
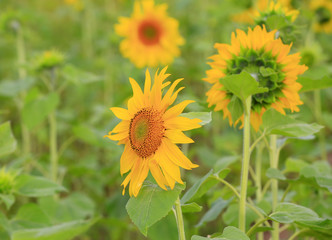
{"x": 182, "y": 123}
{"x": 157, "y": 174}
{"x": 121, "y": 113}
{"x": 177, "y": 136}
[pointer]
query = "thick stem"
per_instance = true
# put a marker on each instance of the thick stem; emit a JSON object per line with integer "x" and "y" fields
{"x": 274, "y": 183}
{"x": 179, "y": 219}
{"x": 318, "y": 116}
{"x": 245, "y": 164}
{"x": 53, "y": 146}
{"x": 21, "y": 58}
{"x": 297, "y": 234}
{"x": 258, "y": 180}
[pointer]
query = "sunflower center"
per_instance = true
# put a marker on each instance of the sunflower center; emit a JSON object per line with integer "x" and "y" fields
{"x": 146, "y": 132}
{"x": 149, "y": 32}
{"x": 323, "y": 15}
{"x": 267, "y": 72}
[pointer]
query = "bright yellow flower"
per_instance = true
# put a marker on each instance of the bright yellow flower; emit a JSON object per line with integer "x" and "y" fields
{"x": 151, "y": 36}
{"x": 150, "y": 132}
{"x": 265, "y": 57}
{"x": 323, "y": 14}
{"x": 247, "y": 16}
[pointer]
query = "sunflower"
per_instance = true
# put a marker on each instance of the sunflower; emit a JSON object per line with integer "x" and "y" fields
{"x": 276, "y": 9}
{"x": 265, "y": 57}
{"x": 151, "y": 36}
{"x": 323, "y": 14}
{"x": 150, "y": 132}
{"x": 247, "y": 16}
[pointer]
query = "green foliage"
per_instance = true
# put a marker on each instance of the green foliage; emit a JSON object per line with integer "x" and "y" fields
{"x": 151, "y": 205}
{"x": 34, "y": 186}
{"x": 7, "y": 140}
{"x": 36, "y": 111}
{"x": 229, "y": 233}
{"x": 315, "y": 78}
{"x": 242, "y": 85}
{"x": 275, "y": 173}
{"x": 65, "y": 231}
{"x": 279, "y": 124}
{"x": 12, "y": 88}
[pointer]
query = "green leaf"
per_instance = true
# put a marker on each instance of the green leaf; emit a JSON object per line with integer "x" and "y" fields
{"x": 191, "y": 207}
{"x": 78, "y": 76}
{"x": 292, "y": 213}
{"x": 206, "y": 117}
{"x": 233, "y": 233}
{"x": 8, "y": 200}
{"x": 275, "y": 173}
{"x": 151, "y": 204}
{"x": 11, "y": 88}
{"x": 277, "y": 123}
{"x": 32, "y": 213}
{"x": 33, "y": 186}
{"x": 36, "y": 111}
{"x": 315, "y": 78}
{"x": 217, "y": 207}
{"x": 7, "y": 140}
{"x": 235, "y": 106}
{"x": 295, "y": 165}
{"x": 192, "y": 192}
{"x": 64, "y": 231}
{"x": 242, "y": 85}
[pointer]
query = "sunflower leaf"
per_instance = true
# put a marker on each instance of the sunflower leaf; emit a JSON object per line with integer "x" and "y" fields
{"x": 315, "y": 78}
{"x": 242, "y": 85}
{"x": 151, "y": 205}
{"x": 276, "y": 123}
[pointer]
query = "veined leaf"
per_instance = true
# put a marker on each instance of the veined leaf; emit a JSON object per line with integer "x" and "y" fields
{"x": 151, "y": 204}
{"x": 277, "y": 123}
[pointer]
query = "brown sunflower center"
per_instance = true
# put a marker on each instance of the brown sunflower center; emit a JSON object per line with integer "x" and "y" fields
{"x": 149, "y": 32}
{"x": 323, "y": 15}
{"x": 146, "y": 132}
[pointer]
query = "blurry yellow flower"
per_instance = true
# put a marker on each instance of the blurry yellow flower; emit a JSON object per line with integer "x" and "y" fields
{"x": 265, "y": 57}
{"x": 276, "y": 9}
{"x": 247, "y": 16}
{"x": 7, "y": 181}
{"x": 49, "y": 59}
{"x": 323, "y": 14}
{"x": 150, "y": 132}
{"x": 76, "y": 4}
{"x": 151, "y": 36}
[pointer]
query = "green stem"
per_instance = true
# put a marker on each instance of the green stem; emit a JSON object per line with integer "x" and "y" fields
{"x": 274, "y": 183}
{"x": 87, "y": 30}
{"x": 253, "y": 228}
{"x": 297, "y": 234}
{"x": 21, "y": 57}
{"x": 245, "y": 164}
{"x": 258, "y": 180}
{"x": 179, "y": 219}
{"x": 53, "y": 146}
{"x": 229, "y": 186}
{"x": 319, "y": 119}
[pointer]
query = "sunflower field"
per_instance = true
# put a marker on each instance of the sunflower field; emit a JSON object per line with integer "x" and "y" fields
{"x": 166, "y": 120}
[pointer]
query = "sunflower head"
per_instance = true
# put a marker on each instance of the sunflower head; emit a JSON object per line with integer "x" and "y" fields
{"x": 150, "y": 130}
{"x": 266, "y": 58}
{"x": 258, "y": 7}
{"x": 49, "y": 59}
{"x": 151, "y": 37}
{"x": 7, "y": 181}
{"x": 323, "y": 15}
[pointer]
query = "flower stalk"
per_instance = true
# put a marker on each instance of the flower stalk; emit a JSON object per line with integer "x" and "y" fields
{"x": 318, "y": 116}
{"x": 258, "y": 180}
{"x": 245, "y": 164}
{"x": 21, "y": 57}
{"x": 274, "y": 158}
{"x": 179, "y": 219}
